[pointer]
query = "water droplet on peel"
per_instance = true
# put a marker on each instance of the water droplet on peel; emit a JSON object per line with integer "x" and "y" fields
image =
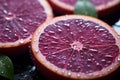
{"x": 111, "y": 68}
{"x": 20, "y": 19}
{"x": 56, "y": 69}
{"x": 69, "y": 73}
{"x": 21, "y": 41}
{"x": 78, "y": 75}
{"x": 35, "y": 40}
{"x": 37, "y": 51}
{"x": 63, "y": 71}
{"x": 103, "y": 60}
{"x": 119, "y": 59}
{"x": 25, "y": 30}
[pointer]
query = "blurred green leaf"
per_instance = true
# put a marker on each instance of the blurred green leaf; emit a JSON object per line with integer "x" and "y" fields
{"x": 85, "y": 7}
{"x": 6, "y": 67}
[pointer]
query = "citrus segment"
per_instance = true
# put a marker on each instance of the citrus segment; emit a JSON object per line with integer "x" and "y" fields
{"x": 77, "y": 45}
{"x": 19, "y": 19}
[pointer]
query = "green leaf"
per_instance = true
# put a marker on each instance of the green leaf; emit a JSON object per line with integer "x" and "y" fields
{"x": 85, "y": 7}
{"x": 6, "y": 67}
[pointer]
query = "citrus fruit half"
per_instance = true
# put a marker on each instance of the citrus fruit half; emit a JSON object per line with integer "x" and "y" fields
{"x": 76, "y": 47}
{"x": 103, "y": 7}
{"x": 18, "y": 21}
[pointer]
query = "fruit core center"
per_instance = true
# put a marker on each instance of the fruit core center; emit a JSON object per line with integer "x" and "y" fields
{"x": 76, "y": 45}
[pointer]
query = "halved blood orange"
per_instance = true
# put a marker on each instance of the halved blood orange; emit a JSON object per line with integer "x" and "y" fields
{"x": 18, "y": 21}
{"x": 103, "y": 7}
{"x": 76, "y": 47}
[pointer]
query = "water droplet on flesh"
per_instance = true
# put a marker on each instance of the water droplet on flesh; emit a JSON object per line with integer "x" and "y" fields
{"x": 25, "y": 30}
{"x": 5, "y": 11}
{"x": 37, "y": 51}
{"x": 63, "y": 71}
{"x": 59, "y": 30}
{"x": 5, "y": 4}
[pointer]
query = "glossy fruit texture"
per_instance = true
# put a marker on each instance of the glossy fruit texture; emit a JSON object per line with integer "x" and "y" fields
{"x": 76, "y": 47}
{"x": 19, "y": 19}
{"x": 103, "y": 7}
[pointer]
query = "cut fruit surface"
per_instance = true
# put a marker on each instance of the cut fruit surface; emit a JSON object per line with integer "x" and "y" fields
{"x": 76, "y": 47}
{"x": 103, "y": 7}
{"x": 19, "y": 19}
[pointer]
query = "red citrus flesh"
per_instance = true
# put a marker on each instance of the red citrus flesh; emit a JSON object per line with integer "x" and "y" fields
{"x": 19, "y": 19}
{"x": 76, "y": 47}
{"x": 103, "y": 7}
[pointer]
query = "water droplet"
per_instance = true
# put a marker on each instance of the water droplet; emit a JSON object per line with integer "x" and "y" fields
{"x": 89, "y": 59}
{"x": 9, "y": 13}
{"x": 94, "y": 50}
{"x": 54, "y": 42}
{"x": 2, "y": 72}
{"x": 25, "y": 30}
{"x": 35, "y": 40}
{"x": 20, "y": 19}
{"x": 71, "y": 33}
{"x": 103, "y": 60}
{"x": 97, "y": 26}
{"x": 5, "y": 11}
{"x": 101, "y": 29}
{"x": 98, "y": 64}
{"x": 54, "y": 37}
{"x": 66, "y": 24}
{"x": 110, "y": 56}
{"x": 78, "y": 75}
{"x": 37, "y": 51}
{"x": 111, "y": 68}
{"x": 5, "y": 4}
{"x": 56, "y": 69}
{"x": 68, "y": 29}
{"x": 88, "y": 65}
{"x": 69, "y": 73}
{"x": 52, "y": 32}
{"x": 60, "y": 30}
{"x": 118, "y": 59}
{"x": 21, "y": 41}
{"x": 7, "y": 29}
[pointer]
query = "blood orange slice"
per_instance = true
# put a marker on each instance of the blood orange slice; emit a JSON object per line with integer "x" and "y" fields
{"x": 76, "y": 47}
{"x": 18, "y": 21}
{"x": 103, "y": 7}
